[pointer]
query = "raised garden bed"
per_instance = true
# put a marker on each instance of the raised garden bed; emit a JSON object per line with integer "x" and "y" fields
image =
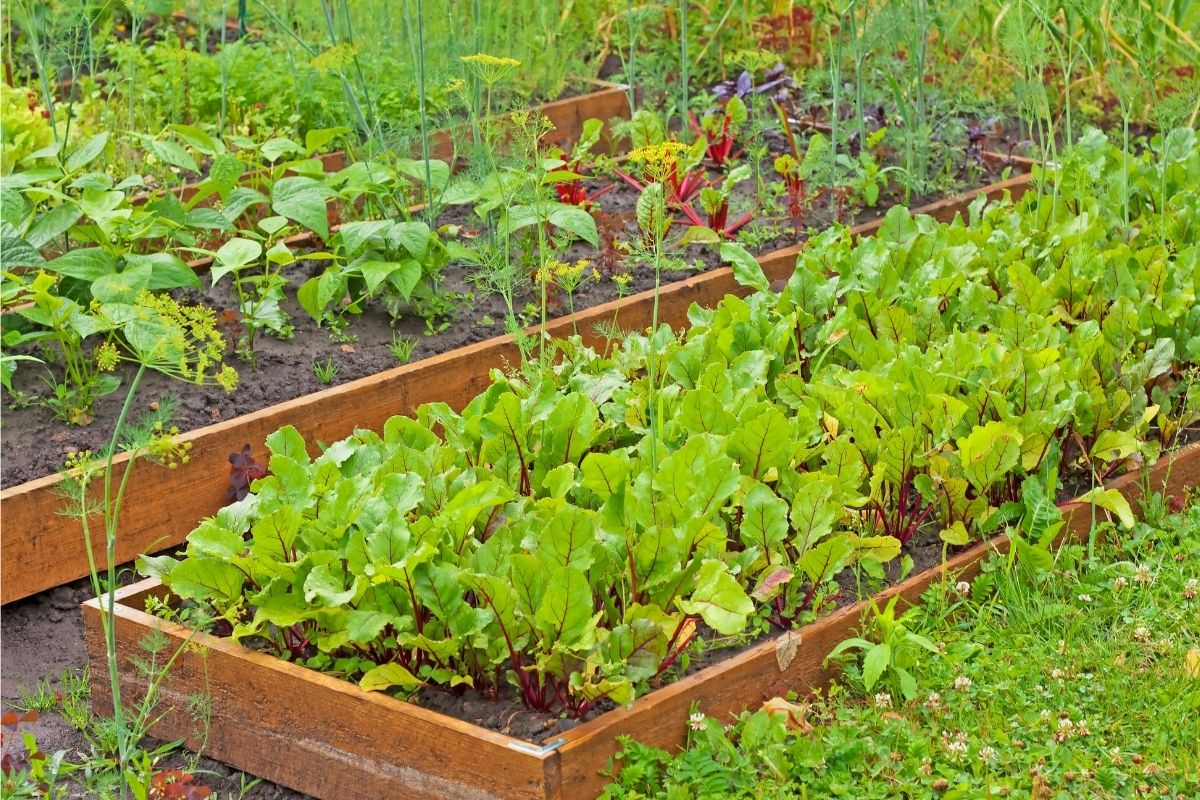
{"x": 396, "y": 749}
{"x": 162, "y": 505}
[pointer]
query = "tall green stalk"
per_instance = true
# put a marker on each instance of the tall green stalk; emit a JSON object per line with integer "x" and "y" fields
{"x": 683, "y": 58}
{"x": 421, "y": 99}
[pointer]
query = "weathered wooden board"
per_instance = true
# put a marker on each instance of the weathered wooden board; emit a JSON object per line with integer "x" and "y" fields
{"x": 330, "y": 739}
{"x": 40, "y": 549}
{"x": 314, "y": 733}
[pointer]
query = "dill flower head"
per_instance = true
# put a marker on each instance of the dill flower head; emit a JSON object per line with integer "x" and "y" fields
{"x": 658, "y": 160}
{"x": 107, "y": 356}
{"x": 489, "y": 68}
{"x": 179, "y": 340}
{"x": 489, "y": 60}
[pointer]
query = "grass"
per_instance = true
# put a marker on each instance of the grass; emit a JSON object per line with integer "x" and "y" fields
{"x": 1080, "y": 682}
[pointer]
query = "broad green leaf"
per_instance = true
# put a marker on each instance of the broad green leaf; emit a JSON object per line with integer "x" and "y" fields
{"x": 327, "y": 584}
{"x": 302, "y": 200}
{"x": 989, "y": 453}
{"x": 203, "y": 578}
{"x": 84, "y": 263}
{"x": 826, "y": 559}
{"x": 387, "y": 676}
{"x": 955, "y": 534}
{"x": 577, "y": 222}
{"x": 86, "y": 153}
{"x": 746, "y": 269}
{"x": 875, "y": 662}
{"x": 566, "y": 608}
{"x": 167, "y": 271}
{"x": 762, "y": 443}
{"x": 277, "y": 148}
{"x": 879, "y": 549}
{"x": 51, "y": 224}
{"x": 764, "y": 519}
{"x": 1113, "y": 445}
{"x": 1113, "y": 501}
{"x": 719, "y": 600}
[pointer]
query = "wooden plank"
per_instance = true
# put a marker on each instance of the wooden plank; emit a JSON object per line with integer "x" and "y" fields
{"x": 40, "y": 549}
{"x": 746, "y": 680}
{"x": 308, "y": 731}
{"x": 568, "y": 116}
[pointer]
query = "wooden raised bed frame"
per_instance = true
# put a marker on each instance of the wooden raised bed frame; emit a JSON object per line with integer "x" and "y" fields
{"x": 328, "y": 738}
{"x": 41, "y": 549}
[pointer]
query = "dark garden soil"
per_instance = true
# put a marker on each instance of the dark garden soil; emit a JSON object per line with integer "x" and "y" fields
{"x": 33, "y": 443}
{"x": 40, "y": 638}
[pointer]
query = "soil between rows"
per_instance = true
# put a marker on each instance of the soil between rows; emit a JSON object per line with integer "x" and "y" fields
{"x": 34, "y": 444}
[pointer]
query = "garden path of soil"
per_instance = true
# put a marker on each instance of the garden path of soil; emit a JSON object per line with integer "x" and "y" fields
{"x": 33, "y": 443}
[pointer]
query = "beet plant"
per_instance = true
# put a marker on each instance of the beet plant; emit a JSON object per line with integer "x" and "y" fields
{"x": 564, "y": 535}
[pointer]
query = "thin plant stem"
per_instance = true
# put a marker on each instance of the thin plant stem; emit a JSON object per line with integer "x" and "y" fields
{"x": 683, "y": 57}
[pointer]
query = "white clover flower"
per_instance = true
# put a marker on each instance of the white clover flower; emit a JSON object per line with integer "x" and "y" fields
{"x": 934, "y": 701}
{"x": 1190, "y": 589}
{"x": 1085, "y": 598}
{"x": 1120, "y": 582}
{"x": 1141, "y": 633}
{"x": 987, "y": 753}
{"x": 962, "y": 683}
{"x": 1057, "y": 673}
{"x": 957, "y": 747}
{"x": 883, "y": 700}
{"x": 963, "y": 588}
{"x": 1143, "y": 575}
{"x": 696, "y": 721}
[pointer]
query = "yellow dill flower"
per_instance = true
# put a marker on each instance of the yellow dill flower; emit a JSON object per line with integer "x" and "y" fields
{"x": 489, "y": 68}
{"x": 164, "y": 449}
{"x": 486, "y": 59}
{"x": 661, "y": 153}
{"x": 107, "y": 356}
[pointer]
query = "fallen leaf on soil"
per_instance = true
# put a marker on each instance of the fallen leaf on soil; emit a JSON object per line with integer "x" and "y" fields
{"x": 347, "y": 348}
{"x": 1191, "y": 662}
{"x": 794, "y": 715}
{"x": 786, "y": 647}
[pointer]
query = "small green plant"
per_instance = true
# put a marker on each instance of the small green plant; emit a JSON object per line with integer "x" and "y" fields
{"x": 326, "y": 372}
{"x": 892, "y": 655}
{"x": 402, "y": 347}
{"x": 259, "y": 282}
